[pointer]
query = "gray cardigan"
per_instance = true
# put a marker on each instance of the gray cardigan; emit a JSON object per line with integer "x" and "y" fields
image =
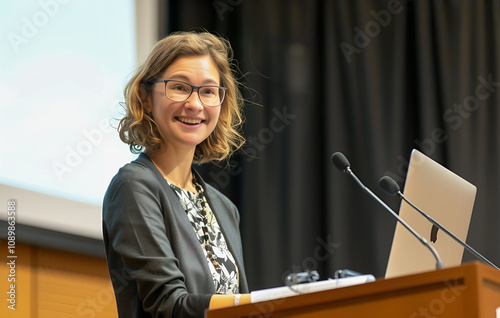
{"x": 156, "y": 264}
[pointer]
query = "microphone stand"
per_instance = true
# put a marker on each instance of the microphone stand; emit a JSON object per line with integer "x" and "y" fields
{"x": 430, "y": 219}
{"x": 439, "y": 262}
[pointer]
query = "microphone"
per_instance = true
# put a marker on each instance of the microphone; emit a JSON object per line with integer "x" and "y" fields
{"x": 341, "y": 163}
{"x": 389, "y": 186}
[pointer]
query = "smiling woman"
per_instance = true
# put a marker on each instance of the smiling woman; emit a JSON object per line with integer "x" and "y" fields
{"x": 137, "y": 128}
{"x": 173, "y": 236}
{"x": 184, "y": 123}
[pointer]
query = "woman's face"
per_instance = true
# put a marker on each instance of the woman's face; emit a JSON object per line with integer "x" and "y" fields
{"x": 185, "y": 124}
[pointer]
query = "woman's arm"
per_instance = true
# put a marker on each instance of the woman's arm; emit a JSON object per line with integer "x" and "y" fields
{"x": 220, "y": 301}
{"x": 139, "y": 249}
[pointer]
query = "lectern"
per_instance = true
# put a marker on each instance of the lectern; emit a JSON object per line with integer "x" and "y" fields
{"x": 470, "y": 291}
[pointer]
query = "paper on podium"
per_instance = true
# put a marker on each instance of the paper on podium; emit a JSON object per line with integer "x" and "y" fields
{"x": 285, "y": 291}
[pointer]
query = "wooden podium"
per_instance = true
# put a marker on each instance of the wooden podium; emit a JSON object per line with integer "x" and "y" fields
{"x": 470, "y": 291}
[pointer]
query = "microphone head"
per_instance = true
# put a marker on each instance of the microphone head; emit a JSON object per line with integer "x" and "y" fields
{"x": 340, "y": 161}
{"x": 388, "y": 185}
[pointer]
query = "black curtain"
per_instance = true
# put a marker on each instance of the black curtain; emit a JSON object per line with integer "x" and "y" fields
{"x": 372, "y": 79}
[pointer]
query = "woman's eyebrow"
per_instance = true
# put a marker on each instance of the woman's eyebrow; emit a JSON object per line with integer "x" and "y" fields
{"x": 184, "y": 78}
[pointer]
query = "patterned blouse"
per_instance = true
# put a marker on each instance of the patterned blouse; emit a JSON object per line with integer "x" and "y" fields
{"x": 220, "y": 260}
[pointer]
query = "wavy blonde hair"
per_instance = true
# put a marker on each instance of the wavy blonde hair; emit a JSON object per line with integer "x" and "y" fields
{"x": 139, "y": 130}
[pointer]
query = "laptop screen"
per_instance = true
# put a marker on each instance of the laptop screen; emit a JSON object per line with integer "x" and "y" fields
{"x": 444, "y": 196}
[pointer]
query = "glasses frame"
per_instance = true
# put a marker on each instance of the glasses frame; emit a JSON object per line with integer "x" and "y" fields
{"x": 197, "y": 88}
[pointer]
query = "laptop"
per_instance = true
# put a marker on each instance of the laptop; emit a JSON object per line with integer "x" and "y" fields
{"x": 445, "y": 197}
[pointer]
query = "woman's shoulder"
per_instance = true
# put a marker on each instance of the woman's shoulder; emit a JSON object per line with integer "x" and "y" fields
{"x": 135, "y": 176}
{"x": 133, "y": 183}
{"x": 133, "y": 171}
{"x": 139, "y": 169}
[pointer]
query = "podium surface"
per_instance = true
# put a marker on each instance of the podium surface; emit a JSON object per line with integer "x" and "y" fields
{"x": 470, "y": 291}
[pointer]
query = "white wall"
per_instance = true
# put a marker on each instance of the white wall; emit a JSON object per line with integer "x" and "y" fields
{"x": 63, "y": 67}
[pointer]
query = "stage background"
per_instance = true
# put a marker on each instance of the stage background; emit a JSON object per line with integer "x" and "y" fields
{"x": 372, "y": 79}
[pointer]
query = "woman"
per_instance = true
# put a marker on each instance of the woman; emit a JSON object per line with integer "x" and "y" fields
{"x": 172, "y": 241}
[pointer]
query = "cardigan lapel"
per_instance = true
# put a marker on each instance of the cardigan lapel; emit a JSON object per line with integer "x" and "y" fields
{"x": 229, "y": 230}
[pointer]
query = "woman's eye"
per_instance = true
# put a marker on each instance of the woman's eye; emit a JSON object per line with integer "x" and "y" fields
{"x": 208, "y": 91}
{"x": 179, "y": 88}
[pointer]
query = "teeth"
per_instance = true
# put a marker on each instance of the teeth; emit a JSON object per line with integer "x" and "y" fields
{"x": 189, "y": 121}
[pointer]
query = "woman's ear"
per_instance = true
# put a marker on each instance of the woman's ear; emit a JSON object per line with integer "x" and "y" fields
{"x": 145, "y": 96}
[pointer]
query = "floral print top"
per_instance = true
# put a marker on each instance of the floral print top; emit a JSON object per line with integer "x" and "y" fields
{"x": 220, "y": 260}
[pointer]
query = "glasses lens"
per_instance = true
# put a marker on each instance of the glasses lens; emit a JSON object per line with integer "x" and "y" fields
{"x": 211, "y": 95}
{"x": 177, "y": 91}
{"x": 180, "y": 91}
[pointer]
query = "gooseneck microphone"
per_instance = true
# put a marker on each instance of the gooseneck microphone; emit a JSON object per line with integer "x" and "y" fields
{"x": 389, "y": 186}
{"x": 341, "y": 163}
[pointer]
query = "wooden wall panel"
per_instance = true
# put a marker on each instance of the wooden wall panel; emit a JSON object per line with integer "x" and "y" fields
{"x": 54, "y": 283}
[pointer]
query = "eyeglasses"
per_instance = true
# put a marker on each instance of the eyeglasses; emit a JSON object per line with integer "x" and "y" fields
{"x": 178, "y": 91}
